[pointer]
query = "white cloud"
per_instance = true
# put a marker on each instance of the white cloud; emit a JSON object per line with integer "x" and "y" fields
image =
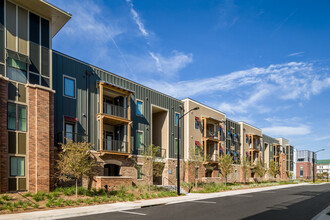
{"x": 287, "y": 130}
{"x": 295, "y": 54}
{"x": 137, "y": 19}
{"x": 323, "y": 138}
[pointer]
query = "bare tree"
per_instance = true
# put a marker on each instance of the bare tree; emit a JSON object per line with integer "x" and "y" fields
{"x": 195, "y": 159}
{"x": 245, "y": 168}
{"x": 75, "y": 161}
{"x": 226, "y": 165}
{"x": 260, "y": 169}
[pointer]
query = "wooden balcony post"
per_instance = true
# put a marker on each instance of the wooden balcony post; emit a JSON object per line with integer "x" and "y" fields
{"x": 129, "y": 124}
{"x": 101, "y": 97}
{"x": 205, "y": 127}
{"x": 101, "y": 133}
{"x": 205, "y": 145}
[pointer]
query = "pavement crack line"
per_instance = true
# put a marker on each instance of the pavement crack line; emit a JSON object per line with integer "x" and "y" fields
{"x": 133, "y": 213}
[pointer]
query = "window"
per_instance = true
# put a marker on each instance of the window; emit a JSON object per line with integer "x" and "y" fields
{"x": 176, "y": 122}
{"x": 69, "y": 131}
{"x": 196, "y": 123}
{"x": 17, "y": 166}
{"x": 139, "y": 172}
{"x": 301, "y": 171}
{"x": 16, "y": 70}
{"x": 196, "y": 173}
{"x": 139, "y": 140}
{"x": 16, "y": 121}
{"x": 139, "y": 108}
{"x": 69, "y": 87}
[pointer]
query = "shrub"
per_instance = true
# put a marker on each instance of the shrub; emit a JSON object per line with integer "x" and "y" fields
{"x": 49, "y": 204}
{"x": 9, "y": 206}
{"x": 69, "y": 191}
{"x": 88, "y": 201}
{"x": 6, "y": 197}
{"x": 96, "y": 199}
{"x": 105, "y": 199}
{"x": 59, "y": 202}
{"x": 147, "y": 196}
{"x": 35, "y": 205}
{"x": 78, "y": 201}
{"x": 39, "y": 196}
{"x": 130, "y": 197}
{"x": 138, "y": 198}
{"x": 24, "y": 206}
{"x": 82, "y": 190}
{"x": 68, "y": 202}
{"x": 153, "y": 195}
{"x": 28, "y": 194}
{"x": 142, "y": 196}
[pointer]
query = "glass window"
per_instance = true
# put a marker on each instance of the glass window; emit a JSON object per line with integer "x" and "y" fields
{"x": 69, "y": 130}
{"x": 196, "y": 173}
{"x": 139, "y": 108}
{"x": 16, "y": 70}
{"x": 139, "y": 138}
{"x": 196, "y": 124}
{"x": 176, "y": 122}
{"x": 69, "y": 87}
{"x": 21, "y": 118}
{"x": 139, "y": 172}
{"x": 17, "y": 166}
{"x": 301, "y": 171}
{"x": 11, "y": 116}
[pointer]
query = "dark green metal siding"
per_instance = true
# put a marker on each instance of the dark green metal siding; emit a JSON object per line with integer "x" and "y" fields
{"x": 234, "y": 128}
{"x": 64, "y": 65}
{"x": 270, "y": 141}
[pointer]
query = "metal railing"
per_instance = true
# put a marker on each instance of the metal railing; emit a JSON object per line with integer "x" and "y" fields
{"x": 161, "y": 153}
{"x": 75, "y": 137}
{"x": 212, "y": 157}
{"x": 211, "y": 134}
{"x": 115, "y": 110}
{"x": 115, "y": 145}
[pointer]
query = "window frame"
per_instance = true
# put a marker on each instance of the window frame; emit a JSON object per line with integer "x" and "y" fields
{"x": 139, "y": 170}
{"x": 198, "y": 123}
{"x": 142, "y": 145}
{"x": 75, "y": 86}
{"x": 17, "y": 117}
{"x": 142, "y": 111}
{"x": 10, "y": 174}
{"x": 176, "y": 120}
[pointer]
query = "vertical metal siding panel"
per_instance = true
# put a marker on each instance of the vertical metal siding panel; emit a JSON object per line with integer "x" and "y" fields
{"x": 34, "y": 28}
{"x": 22, "y": 30}
{"x": 11, "y": 25}
{"x": 34, "y": 57}
{"x": 2, "y": 32}
{"x": 45, "y": 61}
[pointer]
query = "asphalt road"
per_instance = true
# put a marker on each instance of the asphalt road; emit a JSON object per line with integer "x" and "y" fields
{"x": 301, "y": 202}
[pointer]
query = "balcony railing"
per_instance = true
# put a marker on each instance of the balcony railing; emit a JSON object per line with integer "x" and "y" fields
{"x": 115, "y": 110}
{"x": 211, "y": 134}
{"x": 115, "y": 146}
{"x": 63, "y": 136}
{"x": 212, "y": 157}
{"x": 161, "y": 153}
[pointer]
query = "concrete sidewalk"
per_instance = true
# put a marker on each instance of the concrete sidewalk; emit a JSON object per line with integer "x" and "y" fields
{"x": 122, "y": 206}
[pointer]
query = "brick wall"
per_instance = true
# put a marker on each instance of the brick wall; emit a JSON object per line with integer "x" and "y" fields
{"x": 307, "y": 168}
{"x": 41, "y": 139}
{"x": 3, "y": 136}
{"x": 113, "y": 182}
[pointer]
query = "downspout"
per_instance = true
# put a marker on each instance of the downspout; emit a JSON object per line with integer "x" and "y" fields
{"x": 87, "y": 104}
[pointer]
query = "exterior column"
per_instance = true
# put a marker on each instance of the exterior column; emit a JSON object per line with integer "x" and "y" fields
{"x": 101, "y": 98}
{"x": 129, "y": 124}
{"x": 3, "y": 136}
{"x": 101, "y": 133}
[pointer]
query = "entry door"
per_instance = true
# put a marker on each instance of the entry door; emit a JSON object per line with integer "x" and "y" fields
{"x": 69, "y": 130}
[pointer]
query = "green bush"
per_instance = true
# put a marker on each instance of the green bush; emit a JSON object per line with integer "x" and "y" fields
{"x": 105, "y": 199}
{"x": 9, "y": 206}
{"x": 96, "y": 199}
{"x": 68, "y": 202}
{"x": 142, "y": 196}
{"x": 130, "y": 197}
{"x": 35, "y": 205}
{"x": 49, "y": 204}
{"x": 24, "y": 206}
{"x": 39, "y": 196}
{"x": 138, "y": 198}
{"x": 147, "y": 196}
{"x": 6, "y": 197}
{"x": 78, "y": 201}
{"x": 81, "y": 190}
{"x": 28, "y": 194}
{"x": 59, "y": 202}
{"x": 69, "y": 191}
{"x": 88, "y": 201}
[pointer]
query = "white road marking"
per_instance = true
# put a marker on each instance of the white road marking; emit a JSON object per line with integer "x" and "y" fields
{"x": 133, "y": 213}
{"x": 243, "y": 195}
{"x": 198, "y": 201}
{"x": 268, "y": 192}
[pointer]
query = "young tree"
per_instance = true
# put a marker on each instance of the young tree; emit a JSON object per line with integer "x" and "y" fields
{"x": 226, "y": 165}
{"x": 75, "y": 161}
{"x": 290, "y": 174}
{"x": 245, "y": 168}
{"x": 152, "y": 168}
{"x": 195, "y": 159}
{"x": 260, "y": 170}
{"x": 273, "y": 169}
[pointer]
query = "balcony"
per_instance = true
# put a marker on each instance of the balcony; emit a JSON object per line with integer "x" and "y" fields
{"x": 161, "y": 153}
{"x": 212, "y": 157}
{"x": 75, "y": 137}
{"x": 115, "y": 110}
{"x": 115, "y": 146}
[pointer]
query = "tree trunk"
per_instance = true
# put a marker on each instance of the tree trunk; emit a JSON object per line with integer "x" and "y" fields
{"x": 76, "y": 188}
{"x": 226, "y": 181}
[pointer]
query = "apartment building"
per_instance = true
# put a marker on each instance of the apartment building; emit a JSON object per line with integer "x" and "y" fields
{"x": 281, "y": 156}
{"x": 251, "y": 143}
{"x": 204, "y": 132}
{"x": 304, "y": 160}
{"x": 323, "y": 166}
{"x": 270, "y": 149}
{"x": 119, "y": 117}
{"x": 27, "y": 94}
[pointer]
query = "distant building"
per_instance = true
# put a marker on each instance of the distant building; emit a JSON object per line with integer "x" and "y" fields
{"x": 323, "y": 166}
{"x": 304, "y": 160}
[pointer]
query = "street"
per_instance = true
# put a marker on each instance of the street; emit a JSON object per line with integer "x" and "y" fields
{"x": 301, "y": 202}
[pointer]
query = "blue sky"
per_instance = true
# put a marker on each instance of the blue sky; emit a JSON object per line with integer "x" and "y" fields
{"x": 263, "y": 62}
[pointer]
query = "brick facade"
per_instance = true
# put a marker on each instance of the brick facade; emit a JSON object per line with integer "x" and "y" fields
{"x": 112, "y": 182}
{"x": 3, "y": 136}
{"x": 41, "y": 139}
{"x": 307, "y": 170}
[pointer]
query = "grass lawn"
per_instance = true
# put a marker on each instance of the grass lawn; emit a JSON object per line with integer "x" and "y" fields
{"x": 65, "y": 197}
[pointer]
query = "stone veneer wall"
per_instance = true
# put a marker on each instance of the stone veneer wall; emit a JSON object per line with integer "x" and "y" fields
{"x": 40, "y": 139}
{"x": 113, "y": 182}
{"x": 3, "y": 136}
